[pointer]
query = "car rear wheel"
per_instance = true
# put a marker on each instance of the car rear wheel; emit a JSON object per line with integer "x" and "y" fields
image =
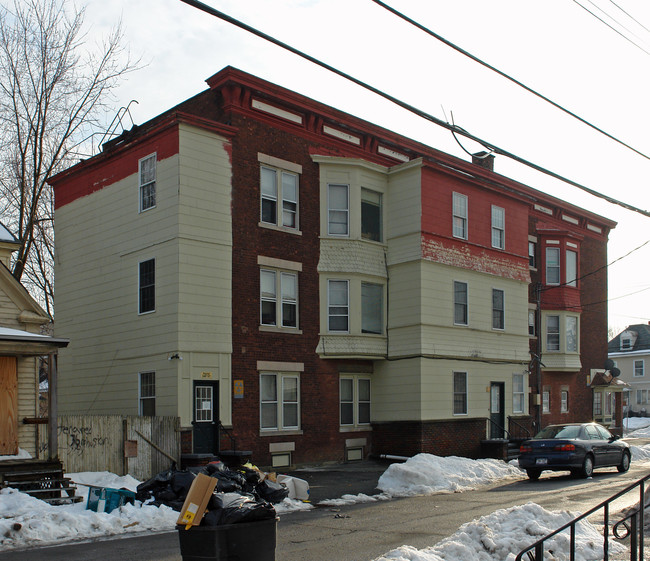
{"x": 625, "y": 463}
{"x": 587, "y": 466}
{"x": 533, "y": 474}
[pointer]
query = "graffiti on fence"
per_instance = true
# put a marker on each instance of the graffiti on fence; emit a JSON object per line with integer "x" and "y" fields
{"x": 79, "y": 439}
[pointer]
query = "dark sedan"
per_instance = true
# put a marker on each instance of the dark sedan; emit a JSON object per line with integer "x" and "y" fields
{"x": 578, "y": 448}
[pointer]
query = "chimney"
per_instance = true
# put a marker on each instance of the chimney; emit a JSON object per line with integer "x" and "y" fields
{"x": 484, "y": 159}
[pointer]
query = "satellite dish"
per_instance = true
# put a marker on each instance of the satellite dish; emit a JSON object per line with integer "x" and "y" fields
{"x": 609, "y": 364}
{"x": 614, "y": 371}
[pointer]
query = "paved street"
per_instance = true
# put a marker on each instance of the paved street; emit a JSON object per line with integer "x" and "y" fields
{"x": 362, "y": 532}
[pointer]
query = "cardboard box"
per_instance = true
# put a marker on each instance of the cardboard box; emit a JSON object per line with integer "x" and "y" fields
{"x": 196, "y": 501}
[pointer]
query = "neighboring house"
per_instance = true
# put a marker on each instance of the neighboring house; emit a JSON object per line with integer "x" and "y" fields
{"x": 324, "y": 287}
{"x": 630, "y": 352}
{"x": 21, "y": 347}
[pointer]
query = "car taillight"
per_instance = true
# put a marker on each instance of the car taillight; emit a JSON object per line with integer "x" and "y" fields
{"x": 525, "y": 448}
{"x": 565, "y": 448}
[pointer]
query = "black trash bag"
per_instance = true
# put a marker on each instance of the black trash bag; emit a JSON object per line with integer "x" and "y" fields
{"x": 149, "y": 488}
{"x": 225, "y": 485}
{"x": 214, "y": 467}
{"x": 232, "y": 508}
{"x": 165, "y": 495}
{"x": 271, "y": 491}
{"x": 181, "y": 481}
{"x": 227, "y": 479}
{"x": 252, "y": 478}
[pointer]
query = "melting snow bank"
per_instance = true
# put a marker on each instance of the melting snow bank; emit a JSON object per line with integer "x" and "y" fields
{"x": 426, "y": 474}
{"x": 500, "y": 536}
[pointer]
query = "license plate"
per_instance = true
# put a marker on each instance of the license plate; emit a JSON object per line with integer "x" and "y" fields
{"x": 541, "y": 461}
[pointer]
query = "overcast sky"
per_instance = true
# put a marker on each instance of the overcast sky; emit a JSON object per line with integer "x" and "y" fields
{"x": 553, "y": 46}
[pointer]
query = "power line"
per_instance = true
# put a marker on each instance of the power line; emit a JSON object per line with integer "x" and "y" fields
{"x": 612, "y": 28}
{"x": 630, "y": 16}
{"x": 504, "y": 75}
{"x": 606, "y": 266}
{"x": 488, "y": 145}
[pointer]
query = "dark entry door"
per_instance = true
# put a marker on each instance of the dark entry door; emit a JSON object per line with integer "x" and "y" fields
{"x": 497, "y": 414}
{"x": 206, "y": 417}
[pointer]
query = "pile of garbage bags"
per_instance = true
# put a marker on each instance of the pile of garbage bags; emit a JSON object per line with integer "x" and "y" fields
{"x": 245, "y": 494}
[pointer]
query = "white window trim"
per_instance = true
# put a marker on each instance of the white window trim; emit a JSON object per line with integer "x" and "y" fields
{"x": 546, "y": 400}
{"x": 555, "y": 250}
{"x": 522, "y": 393}
{"x": 142, "y": 185}
{"x": 280, "y": 197}
{"x": 463, "y": 217}
{"x": 466, "y": 304}
{"x": 279, "y": 402}
{"x": 148, "y": 397}
{"x": 280, "y": 275}
{"x": 499, "y": 228}
{"x": 635, "y": 375}
{"x": 466, "y": 394}
{"x": 347, "y": 306}
{"x": 559, "y": 333}
{"x": 570, "y": 281}
{"x": 346, "y": 210}
{"x": 503, "y": 311}
{"x": 356, "y": 424}
{"x": 564, "y": 401}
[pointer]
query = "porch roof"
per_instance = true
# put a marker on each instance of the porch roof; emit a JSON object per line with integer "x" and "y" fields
{"x": 17, "y": 342}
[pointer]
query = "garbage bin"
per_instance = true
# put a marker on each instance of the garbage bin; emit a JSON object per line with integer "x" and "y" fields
{"x": 245, "y": 541}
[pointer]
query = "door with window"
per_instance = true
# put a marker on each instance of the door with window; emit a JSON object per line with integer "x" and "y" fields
{"x": 497, "y": 414}
{"x": 206, "y": 417}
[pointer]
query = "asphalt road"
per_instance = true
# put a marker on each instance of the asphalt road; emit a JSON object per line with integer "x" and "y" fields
{"x": 363, "y": 532}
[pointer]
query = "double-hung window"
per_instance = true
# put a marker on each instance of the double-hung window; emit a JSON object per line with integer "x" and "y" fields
{"x": 598, "y": 403}
{"x": 532, "y": 323}
{"x": 552, "y": 333}
{"x": 147, "y": 286}
{"x": 552, "y": 265}
{"x": 147, "y": 182}
{"x": 498, "y": 227}
{"x": 564, "y": 401}
{"x": 498, "y": 309}
{"x": 372, "y": 300}
{"x": 571, "y": 269}
{"x": 546, "y": 400}
{"x": 278, "y": 298}
{"x": 460, "y": 216}
{"x": 338, "y": 305}
{"x": 279, "y": 401}
{"x": 279, "y": 192}
{"x": 571, "y": 324}
{"x": 460, "y": 303}
{"x": 354, "y": 399}
{"x": 371, "y": 215}
{"x": 338, "y": 210}
{"x": 460, "y": 393}
{"x": 518, "y": 394}
{"x": 638, "y": 368}
{"x": 147, "y": 394}
{"x": 532, "y": 255}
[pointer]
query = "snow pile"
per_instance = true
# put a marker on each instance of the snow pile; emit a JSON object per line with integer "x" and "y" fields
{"x": 26, "y": 521}
{"x": 500, "y": 536}
{"x": 426, "y": 474}
{"x": 355, "y": 499}
{"x": 638, "y": 427}
{"x": 640, "y": 453}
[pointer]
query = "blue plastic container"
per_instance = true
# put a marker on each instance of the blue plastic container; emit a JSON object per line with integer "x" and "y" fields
{"x": 105, "y": 499}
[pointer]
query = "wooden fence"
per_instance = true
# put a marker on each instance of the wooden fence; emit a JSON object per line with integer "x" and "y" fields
{"x": 138, "y": 446}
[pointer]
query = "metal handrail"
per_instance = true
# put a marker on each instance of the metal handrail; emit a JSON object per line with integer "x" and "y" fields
{"x": 511, "y": 421}
{"x": 228, "y": 433}
{"x": 535, "y": 551}
{"x": 497, "y": 425}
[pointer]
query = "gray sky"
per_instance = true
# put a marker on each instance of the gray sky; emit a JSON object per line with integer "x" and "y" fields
{"x": 553, "y": 46}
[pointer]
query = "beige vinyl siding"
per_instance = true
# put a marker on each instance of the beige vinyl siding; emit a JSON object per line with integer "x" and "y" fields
{"x": 27, "y": 370}
{"x": 102, "y": 238}
{"x": 404, "y": 200}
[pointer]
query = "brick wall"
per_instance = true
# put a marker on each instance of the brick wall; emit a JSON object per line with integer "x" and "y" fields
{"x": 448, "y": 437}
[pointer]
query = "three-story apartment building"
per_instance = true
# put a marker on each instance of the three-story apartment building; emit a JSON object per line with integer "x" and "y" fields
{"x": 324, "y": 287}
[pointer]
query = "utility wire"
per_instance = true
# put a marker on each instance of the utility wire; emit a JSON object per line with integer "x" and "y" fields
{"x": 488, "y": 145}
{"x": 606, "y": 266}
{"x": 630, "y": 16}
{"x": 504, "y": 75}
{"x": 617, "y": 22}
{"x": 612, "y": 28}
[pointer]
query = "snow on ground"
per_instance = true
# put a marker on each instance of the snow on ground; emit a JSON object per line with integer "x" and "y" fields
{"x": 637, "y": 427}
{"x": 28, "y": 522}
{"x": 504, "y": 533}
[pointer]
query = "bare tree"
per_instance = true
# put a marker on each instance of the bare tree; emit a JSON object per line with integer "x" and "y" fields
{"x": 55, "y": 89}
